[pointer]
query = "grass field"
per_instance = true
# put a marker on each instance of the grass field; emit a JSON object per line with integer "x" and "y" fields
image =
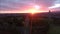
{"x": 54, "y": 29}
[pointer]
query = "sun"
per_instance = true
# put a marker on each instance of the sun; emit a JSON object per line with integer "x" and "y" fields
{"x": 34, "y": 9}
{"x": 33, "y": 12}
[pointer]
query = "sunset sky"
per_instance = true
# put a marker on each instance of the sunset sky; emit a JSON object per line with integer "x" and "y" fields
{"x": 23, "y": 5}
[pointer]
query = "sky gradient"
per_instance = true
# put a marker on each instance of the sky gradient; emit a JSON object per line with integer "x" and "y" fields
{"x": 20, "y": 5}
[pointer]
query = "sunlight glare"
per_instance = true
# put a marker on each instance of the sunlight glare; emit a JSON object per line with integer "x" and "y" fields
{"x": 37, "y": 7}
{"x": 32, "y": 11}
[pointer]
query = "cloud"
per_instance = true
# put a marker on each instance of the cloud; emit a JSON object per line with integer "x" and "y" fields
{"x": 57, "y": 2}
{"x": 13, "y": 4}
{"x": 55, "y": 6}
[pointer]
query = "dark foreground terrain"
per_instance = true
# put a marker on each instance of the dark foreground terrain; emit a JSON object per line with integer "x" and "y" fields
{"x": 30, "y": 24}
